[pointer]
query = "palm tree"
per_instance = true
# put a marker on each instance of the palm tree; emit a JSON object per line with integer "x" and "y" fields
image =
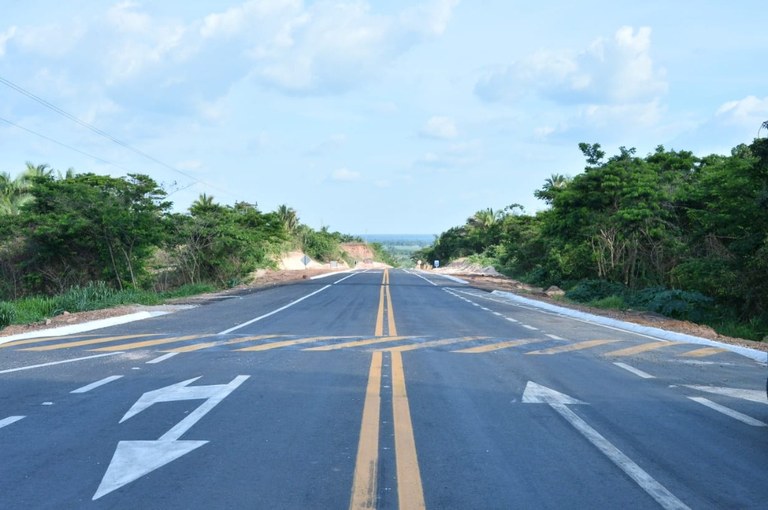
{"x": 203, "y": 204}
{"x": 552, "y": 185}
{"x": 288, "y": 218}
{"x": 14, "y": 193}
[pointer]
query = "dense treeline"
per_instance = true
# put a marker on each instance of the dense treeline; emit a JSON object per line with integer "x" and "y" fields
{"x": 63, "y": 231}
{"x": 681, "y": 234}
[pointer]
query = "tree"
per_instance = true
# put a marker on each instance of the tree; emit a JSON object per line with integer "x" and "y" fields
{"x": 90, "y": 227}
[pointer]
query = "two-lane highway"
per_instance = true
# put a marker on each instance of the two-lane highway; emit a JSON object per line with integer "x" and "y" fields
{"x": 377, "y": 389}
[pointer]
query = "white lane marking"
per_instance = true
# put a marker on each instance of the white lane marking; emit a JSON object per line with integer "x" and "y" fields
{"x": 526, "y": 326}
{"x": 511, "y": 319}
{"x": 52, "y": 363}
{"x": 162, "y": 358}
{"x": 11, "y": 419}
{"x": 636, "y": 371}
{"x": 345, "y": 278}
{"x": 535, "y": 393}
{"x": 273, "y": 312}
{"x": 554, "y": 337}
{"x": 751, "y": 395}
{"x": 547, "y": 312}
{"x": 499, "y": 314}
{"x": 425, "y": 279}
{"x": 729, "y": 412}
{"x": 657, "y": 491}
{"x": 94, "y": 385}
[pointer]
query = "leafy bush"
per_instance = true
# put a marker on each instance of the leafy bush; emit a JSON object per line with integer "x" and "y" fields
{"x": 681, "y": 304}
{"x": 7, "y": 314}
{"x": 610, "y": 303}
{"x": 593, "y": 290}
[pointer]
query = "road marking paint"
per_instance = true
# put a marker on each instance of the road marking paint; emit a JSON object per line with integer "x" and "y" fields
{"x": 700, "y": 353}
{"x": 630, "y": 351}
{"x": 10, "y": 420}
{"x": 52, "y": 363}
{"x": 385, "y": 309}
{"x": 657, "y": 491}
{"x": 499, "y": 314}
{"x": 409, "y": 488}
{"x": 360, "y": 343}
{"x": 526, "y": 326}
{"x": 498, "y": 346}
{"x": 751, "y": 395}
{"x": 162, "y": 358}
{"x": 80, "y": 343}
{"x": 554, "y": 337}
{"x": 433, "y": 343}
{"x": 273, "y": 312}
{"x": 218, "y": 343}
{"x": 96, "y": 384}
{"x": 729, "y": 412}
{"x": 366, "y": 466}
{"x": 634, "y": 370}
{"x": 16, "y": 343}
{"x": 573, "y": 347}
{"x": 287, "y": 343}
{"x": 511, "y": 319}
{"x": 147, "y": 343}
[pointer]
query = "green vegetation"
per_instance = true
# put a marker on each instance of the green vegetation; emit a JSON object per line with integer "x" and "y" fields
{"x": 74, "y": 242}
{"x": 398, "y": 250}
{"x": 670, "y": 232}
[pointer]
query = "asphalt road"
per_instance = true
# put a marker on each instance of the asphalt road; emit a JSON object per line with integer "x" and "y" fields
{"x": 378, "y": 389}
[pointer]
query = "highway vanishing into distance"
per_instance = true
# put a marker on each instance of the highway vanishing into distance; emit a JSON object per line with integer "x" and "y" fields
{"x": 378, "y": 389}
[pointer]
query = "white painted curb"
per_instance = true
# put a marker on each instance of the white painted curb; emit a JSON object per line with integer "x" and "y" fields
{"x": 85, "y": 326}
{"x": 754, "y": 354}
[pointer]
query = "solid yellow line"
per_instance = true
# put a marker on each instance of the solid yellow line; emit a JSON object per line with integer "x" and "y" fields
{"x": 287, "y": 343}
{"x": 366, "y": 465}
{"x": 573, "y": 347}
{"x": 409, "y": 489}
{"x": 16, "y": 343}
{"x": 360, "y": 343}
{"x": 700, "y": 353}
{"x": 208, "y": 345}
{"x": 433, "y": 343}
{"x": 379, "y": 328}
{"x": 148, "y": 343}
{"x": 498, "y": 346}
{"x": 81, "y": 343}
{"x": 390, "y": 311}
{"x": 629, "y": 351}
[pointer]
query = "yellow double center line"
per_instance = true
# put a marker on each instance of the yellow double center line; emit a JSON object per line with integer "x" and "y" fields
{"x": 385, "y": 310}
{"x": 364, "y": 487}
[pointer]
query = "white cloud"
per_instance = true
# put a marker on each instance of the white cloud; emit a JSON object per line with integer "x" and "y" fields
{"x": 332, "y": 46}
{"x": 327, "y": 145}
{"x": 5, "y": 37}
{"x": 611, "y": 71}
{"x": 345, "y": 175}
{"x": 456, "y": 156}
{"x": 750, "y": 111}
{"x": 440, "y": 127}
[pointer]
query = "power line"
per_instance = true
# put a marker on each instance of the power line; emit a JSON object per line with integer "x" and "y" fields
{"x": 97, "y": 158}
{"x": 99, "y": 132}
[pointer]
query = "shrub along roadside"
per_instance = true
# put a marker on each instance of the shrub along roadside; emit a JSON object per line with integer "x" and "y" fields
{"x": 93, "y": 296}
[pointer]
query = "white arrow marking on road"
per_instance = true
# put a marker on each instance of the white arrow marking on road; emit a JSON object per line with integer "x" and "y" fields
{"x": 134, "y": 459}
{"x": 752, "y": 395}
{"x": 535, "y": 393}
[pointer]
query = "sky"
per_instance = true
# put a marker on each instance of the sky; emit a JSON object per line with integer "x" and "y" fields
{"x": 378, "y": 116}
